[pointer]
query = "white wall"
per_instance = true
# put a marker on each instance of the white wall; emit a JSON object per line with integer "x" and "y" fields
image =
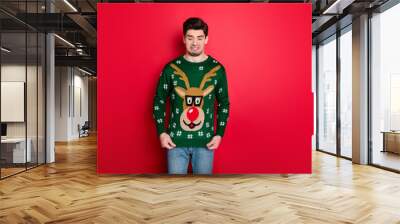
{"x": 71, "y": 93}
{"x": 61, "y": 103}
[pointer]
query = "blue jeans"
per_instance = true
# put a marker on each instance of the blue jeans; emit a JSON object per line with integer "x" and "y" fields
{"x": 178, "y": 160}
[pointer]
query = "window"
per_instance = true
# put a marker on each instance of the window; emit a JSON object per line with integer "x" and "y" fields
{"x": 385, "y": 88}
{"x": 327, "y": 95}
{"x": 346, "y": 93}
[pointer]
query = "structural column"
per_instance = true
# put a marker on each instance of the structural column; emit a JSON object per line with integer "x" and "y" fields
{"x": 360, "y": 89}
{"x": 50, "y": 92}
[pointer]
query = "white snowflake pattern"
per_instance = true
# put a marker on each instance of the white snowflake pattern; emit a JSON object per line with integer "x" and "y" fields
{"x": 179, "y": 133}
{"x": 172, "y": 134}
{"x": 175, "y": 83}
{"x": 211, "y": 116}
{"x": 162, "y": 101}
{"x": 178, "y": 62}
{"x": 208, "y": 110}
{"x": 215, "y": 82}
{"x": 208, "y": 135}
{"x": 215, "y": 61}
{"x": 172, "y": 76}
{"x": 207, "y": 125}
{"x": 164, "y": 114}
{"x": 172, "y": 115}
{"x": 209, "y": 96}
{"x": 165, "y": 86}
{"x": 201, "y": 68}
{"x": 220, "y": 90}
{"x": 200, "y": 133}
{"x": 159, "y": 120}
{"x": 174, "y": 125}
{"x": 189, "y": 136}
{"x": 222, "y": 123}
{"x": 177, "y": 110}
{"x": 156, "y": 108}
{"x": 225, "y": 111}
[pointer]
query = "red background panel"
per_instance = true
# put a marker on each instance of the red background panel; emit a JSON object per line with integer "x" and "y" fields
{"x": 266, "y": 50}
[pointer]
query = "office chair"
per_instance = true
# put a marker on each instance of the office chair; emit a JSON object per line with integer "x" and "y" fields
{"x": 84, "y": 130}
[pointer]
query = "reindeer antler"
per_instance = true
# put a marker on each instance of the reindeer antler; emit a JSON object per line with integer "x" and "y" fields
{"x": 209, "y": 75}
{"x": 181, "y": 75}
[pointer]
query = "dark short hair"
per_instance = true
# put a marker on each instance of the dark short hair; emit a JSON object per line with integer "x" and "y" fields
{"x": 195, "y": 23}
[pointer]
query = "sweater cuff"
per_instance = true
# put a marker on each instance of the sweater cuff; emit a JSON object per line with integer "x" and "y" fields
{"x": 160, "y": 130}
{"x": 220, "y": 132}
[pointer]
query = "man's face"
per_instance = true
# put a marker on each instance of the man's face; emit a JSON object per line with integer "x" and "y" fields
{"x": 194, "y": 41}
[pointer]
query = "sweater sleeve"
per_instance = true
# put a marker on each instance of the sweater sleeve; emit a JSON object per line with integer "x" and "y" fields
{"x": 223, "y": 103}
{"x": 160, "y": 99}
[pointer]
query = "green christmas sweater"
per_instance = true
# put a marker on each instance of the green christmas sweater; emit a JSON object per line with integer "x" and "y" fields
{"x": 193, "y": 88}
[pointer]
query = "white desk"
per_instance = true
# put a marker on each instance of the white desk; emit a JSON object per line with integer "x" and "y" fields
{"x": 18, "y": 149}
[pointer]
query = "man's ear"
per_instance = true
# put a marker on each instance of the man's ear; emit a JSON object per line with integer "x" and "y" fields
{"x": 206, "y": 40}
{"x": 181, "y": 91}
{"x": 208, "y": 90}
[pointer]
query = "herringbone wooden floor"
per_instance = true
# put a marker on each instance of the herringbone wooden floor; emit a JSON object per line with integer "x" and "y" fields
{"x": 70, "y": 191}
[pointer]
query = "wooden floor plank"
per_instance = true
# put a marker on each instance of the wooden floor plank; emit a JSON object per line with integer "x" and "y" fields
{"x": 70, "y": 191}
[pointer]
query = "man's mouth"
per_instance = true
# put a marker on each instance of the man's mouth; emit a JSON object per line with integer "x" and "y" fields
{"x": 191, "y": 125}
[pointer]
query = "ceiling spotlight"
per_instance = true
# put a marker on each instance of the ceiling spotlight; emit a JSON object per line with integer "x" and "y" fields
{"x": 84, "y": 71}
{"x": 64, "y": 40}
{"x": 5, "y": 50}
{"x": 337, "y": 7}
{"x": 70, "y": 5}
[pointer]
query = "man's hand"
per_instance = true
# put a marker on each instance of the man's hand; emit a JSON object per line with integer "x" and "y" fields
{"x": 166, "y": 141}
{"x": 214, "y": 143}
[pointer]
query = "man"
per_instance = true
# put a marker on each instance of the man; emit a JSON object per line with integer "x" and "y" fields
{"x": 193, "y": 82}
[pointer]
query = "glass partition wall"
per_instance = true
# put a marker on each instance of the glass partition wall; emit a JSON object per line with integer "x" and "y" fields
{"x": 22, "y": 88}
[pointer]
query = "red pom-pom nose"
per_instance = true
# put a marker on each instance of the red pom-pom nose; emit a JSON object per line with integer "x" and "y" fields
{"x": 192, "y": 113}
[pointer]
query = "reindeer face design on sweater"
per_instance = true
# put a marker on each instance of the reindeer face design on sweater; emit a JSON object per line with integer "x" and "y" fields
{"x": 192, "y": 117}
